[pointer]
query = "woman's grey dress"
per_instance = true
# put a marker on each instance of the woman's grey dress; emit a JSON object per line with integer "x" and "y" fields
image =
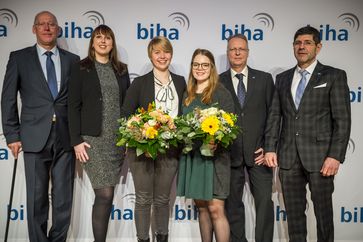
{"x": 103, "y": 167}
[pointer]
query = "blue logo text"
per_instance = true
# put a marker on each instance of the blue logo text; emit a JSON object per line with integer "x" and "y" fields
{"x": 190, "y": 213}
{"x": 250, "y": 33}
{"x": 153, "y": 31}
{"x": 355, "y": 216}
{"x": 71, "y": 30}
{"x": 4, "y": 154}
{"x": 328, "y": 33}
{"x": 356, "y": 95}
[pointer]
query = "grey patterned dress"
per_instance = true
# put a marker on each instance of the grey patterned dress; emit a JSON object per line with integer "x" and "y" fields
{"x": 103, "y": 167}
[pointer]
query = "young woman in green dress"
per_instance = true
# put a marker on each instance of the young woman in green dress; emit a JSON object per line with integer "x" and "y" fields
{"x": 206, "y": 179}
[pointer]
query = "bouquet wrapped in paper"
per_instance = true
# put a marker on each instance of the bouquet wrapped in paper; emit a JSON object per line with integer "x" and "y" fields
{"x": 150, "y": 132}
{"x": 210, "y": 126}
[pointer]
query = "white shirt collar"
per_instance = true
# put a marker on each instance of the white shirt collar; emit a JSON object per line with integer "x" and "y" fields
{"x": 309, "y": 69}
{"x": 244, "y": 72}
{"x": 42, "y": 50}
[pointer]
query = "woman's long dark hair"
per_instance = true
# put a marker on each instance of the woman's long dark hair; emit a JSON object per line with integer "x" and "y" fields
{"x": 88, "y": 62}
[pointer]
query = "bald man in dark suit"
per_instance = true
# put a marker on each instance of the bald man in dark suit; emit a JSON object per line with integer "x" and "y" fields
{"x": 40, "y": 74}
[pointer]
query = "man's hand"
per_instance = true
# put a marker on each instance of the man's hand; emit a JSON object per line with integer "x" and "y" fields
{"x": 81, "y": 153}
{"x": 15, "y": 148}
{"x": 271, "y": 159}
{"x": 330, "y": 167}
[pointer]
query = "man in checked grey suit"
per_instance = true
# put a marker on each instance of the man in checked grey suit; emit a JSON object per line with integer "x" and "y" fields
{"x": 246, "y": 152}
{"x": 42, "y": 131}
{"x": 310, "y": 130}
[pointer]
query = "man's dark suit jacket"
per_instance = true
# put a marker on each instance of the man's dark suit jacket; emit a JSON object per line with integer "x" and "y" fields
{"x": 142, "y": 92}
{"x": 24, "y": 74}
{"x": 252, "y": 117}
{"x": 85, "y": 95}
{"x": 320, "y": 128}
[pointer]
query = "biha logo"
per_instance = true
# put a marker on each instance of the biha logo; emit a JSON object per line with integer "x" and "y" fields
{"x": 250, "y": 32}
{"x": 330, "y": 33}
{"x": 157, "y": 29}
{"x": 8, "y": 19}
{"x": 72, "y": 30}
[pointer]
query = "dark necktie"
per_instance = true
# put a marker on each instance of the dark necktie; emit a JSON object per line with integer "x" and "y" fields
{"x": 51, "y": 76}
{"x": 241, "y": 89}
{"x": 300, "y": 88}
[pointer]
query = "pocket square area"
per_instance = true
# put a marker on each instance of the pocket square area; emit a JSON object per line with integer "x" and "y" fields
{"x": 321, "y": 85}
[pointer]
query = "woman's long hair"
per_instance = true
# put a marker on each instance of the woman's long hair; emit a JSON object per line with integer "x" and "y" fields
{"x": 88, "y": 62}
{"x": 212, "y": 83}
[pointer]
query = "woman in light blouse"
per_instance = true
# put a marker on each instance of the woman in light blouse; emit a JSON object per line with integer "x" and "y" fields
{"x": 153, "y": 178}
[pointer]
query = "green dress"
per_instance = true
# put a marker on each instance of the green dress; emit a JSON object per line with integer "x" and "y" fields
{"x": 201, "y": 177}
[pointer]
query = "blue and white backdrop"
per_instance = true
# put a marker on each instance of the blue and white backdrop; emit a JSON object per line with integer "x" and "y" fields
{"x": 269, "y": 26}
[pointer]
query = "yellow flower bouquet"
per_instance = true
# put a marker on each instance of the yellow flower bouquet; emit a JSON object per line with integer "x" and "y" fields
{"x": 210, "y": 125}
{"x": 150, "y": 131}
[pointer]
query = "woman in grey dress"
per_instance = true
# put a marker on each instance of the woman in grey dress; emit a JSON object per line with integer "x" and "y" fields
{"x": 96, "y": 92}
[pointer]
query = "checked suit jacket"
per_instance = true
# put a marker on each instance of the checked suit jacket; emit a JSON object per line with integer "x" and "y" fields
{"x": 319, "y": 128}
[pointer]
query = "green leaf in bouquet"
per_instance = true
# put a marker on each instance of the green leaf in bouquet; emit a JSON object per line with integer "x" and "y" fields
{"x": 163, "y": 144}
{"x": 121, "y": 142}
{"x": 191, "y": 134}
{"x": 174, "y": 142}
{"x": 219, "y": 136}
{"x": 162, "y": 150}
{"x": 153, "y": 151}
{"x": 224, "y": 143}
{"x": 131, "y": 143}
{"x": 180, "y": 137}
{"x": 187, "y": 148}
{"x": 186, "y": 130}
{"x": 139, "y": 151}
{"x": 205, "y": 150}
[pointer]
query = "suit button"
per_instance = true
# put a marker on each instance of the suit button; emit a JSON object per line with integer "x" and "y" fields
{"x": 297, "y": 134}
{"x": 297, "y": 117}
{"x": 242, "y": 114}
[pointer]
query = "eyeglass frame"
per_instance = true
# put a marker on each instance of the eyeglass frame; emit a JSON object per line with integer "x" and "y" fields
{"x": 43, "y": 25}
{"x": 203, "y": 66}
{"x": 235, "y": 50}
{"x": 304, "y": 43}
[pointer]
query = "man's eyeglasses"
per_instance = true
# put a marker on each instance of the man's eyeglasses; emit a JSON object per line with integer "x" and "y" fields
{"x": 44, "y": 25}
{"x": 305, "y": 43}
{"x": 204, "y": 66}
{"x": 236, "y": 50}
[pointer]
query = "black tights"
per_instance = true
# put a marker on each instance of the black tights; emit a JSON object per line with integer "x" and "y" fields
{"x": 101, "y": 212}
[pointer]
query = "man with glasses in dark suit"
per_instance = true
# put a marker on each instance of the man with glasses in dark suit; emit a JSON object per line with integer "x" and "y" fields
{"x": 309, "y": 127}
{"x": 252, "y": 92}
{"x": 40, "y": 74}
